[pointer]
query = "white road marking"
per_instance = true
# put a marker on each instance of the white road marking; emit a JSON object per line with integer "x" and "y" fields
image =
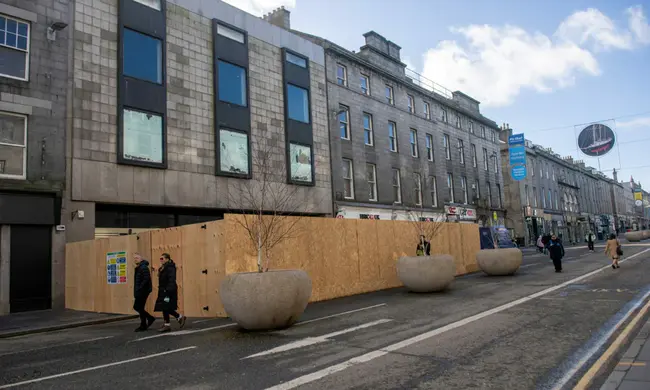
{"x": 184, "y": 332}
{"x": 315, "y": 340}
{"x": 339, "y": 314}
{"x": 311, "y": 377}
{"x": 45, "y": 378}
{"x": 57, "y": 345}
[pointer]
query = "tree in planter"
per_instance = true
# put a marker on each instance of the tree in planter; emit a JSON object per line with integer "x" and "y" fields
{"x": 419, "y": 217}
{"x": 271, "y": 210}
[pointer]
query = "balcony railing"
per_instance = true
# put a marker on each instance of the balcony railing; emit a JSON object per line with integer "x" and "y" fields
{"x": 427, "y": 84}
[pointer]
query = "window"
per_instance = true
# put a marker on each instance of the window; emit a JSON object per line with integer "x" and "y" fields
{"x": 414, "y": 142}
{"x": 532, "y": 166}
{"x": 463, "y": 186}
{"x": 553, "y": 173}
{"x": 427, "y": 110}
{"x": 443, "y": 115}
{"x": 298, "y": 103}
{"x": 493, "y": 136}
{"x": 392, "y": 136}
{"x": 397, "y": 187}
{"x": 142, "y": 56}
{"x": 365, "y": 84}
{"x": 527, "y": 195}
{"x": 550, "y": 199}
{"x": 541, "y": 170}
{"x": 390, "y": 98}
{"x": 477, "y": 190}
{"x": 450, "y": 187}
{"x": 483, "y": 131}
{"x": 368, "y": 136}
{"x": 348, "y": 179}
{"x": 233, "y": 154}
{"x": 417, "y": 189}
{"x": 500, "y": 196}
{"x": 232, "y": 83}
{"x": 433, "y": 190}
{"x": 485, "y": 160}
{"x": 344, "y": 121}
{"x": 235, "y": 35}
{"x": 557, "y": 207}
{"x": 155, "y": 4}
{"x": 429, "y": 144}
{"x": 489, "y": 189}
{"x": 535, "y": 196}
{"x": 296, "y": 60}
{"x": 547, "y": 171}
{"x": 543, "y": 198}
{"x": 446, "y": 145}
{"x": 14, "y": 48}
{"x": 13, "y": 146}
{"x": 371, "y": 177}
{"x": 301, "y": 163}
{"x": 411, "y": 104}
{"x": 471, "y": 127}
{"x": 474, "y": 159}
{"x": 496, "y": 161}
{"x": 341, "y": 75}
{"x": 458, "y": 121}
{"x": 461, "y": 151}
{"x": 142, "y": 139}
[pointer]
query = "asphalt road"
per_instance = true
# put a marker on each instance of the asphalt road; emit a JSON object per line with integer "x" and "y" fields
{"x": 535, "y": 330}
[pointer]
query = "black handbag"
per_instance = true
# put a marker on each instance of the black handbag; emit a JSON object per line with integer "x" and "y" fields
{"x": 619, "y": 250}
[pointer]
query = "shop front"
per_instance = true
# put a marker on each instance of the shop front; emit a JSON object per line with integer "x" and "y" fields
{"x": 534, "y": 219}
{"x": 386, "y": 214}
{"x": 460, "y": 214}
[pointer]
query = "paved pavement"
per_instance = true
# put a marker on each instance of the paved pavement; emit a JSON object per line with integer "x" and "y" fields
{"x": 48, "y": 320}
{"x": 632, "y": 372}
{"x": 537, "y": 329}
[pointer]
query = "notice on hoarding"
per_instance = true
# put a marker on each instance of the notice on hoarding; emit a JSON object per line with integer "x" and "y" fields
{"x": 116, "y": 267}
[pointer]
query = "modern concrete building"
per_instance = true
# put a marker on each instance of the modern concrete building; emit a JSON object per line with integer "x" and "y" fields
{"x": 173, "y": 102}
{"x": 401, "y": 143}
{"x": 33, "y": 83}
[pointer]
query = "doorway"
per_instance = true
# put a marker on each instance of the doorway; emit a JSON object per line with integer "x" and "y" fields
{"x": 30, "y": 268}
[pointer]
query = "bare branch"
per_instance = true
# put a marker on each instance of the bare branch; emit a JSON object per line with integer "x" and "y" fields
{"x": 425, "y": 221}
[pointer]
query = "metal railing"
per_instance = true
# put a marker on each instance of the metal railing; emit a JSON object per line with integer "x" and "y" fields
{"x": 428, "y": 84}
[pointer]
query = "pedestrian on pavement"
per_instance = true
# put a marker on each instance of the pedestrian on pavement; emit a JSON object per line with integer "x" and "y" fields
{"x": 614, "y": 250}
{"x": 540, "y": 244}
{"x": 167, "y": 301}
{"x": 556, "y": 251}
{"x": 591, "y": 237}
{"x": 141, "y": 290}
{"x": 424, "y": 247}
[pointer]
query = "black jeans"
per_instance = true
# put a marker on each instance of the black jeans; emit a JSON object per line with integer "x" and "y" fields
{"x": 138, "y": 305}
{"x": 172, "y": 313}
{"x": 590, "y": 245}
{"x": 558, "y": 264}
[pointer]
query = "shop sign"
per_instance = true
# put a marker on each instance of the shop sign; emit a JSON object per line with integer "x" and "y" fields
{"x": 461, "y": 212}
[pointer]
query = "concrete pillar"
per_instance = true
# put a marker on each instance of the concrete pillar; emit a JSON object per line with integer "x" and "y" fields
{"x": 58, "y": 269}
{"x": 5, "y": 268}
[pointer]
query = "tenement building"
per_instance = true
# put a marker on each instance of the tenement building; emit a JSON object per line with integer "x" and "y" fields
{"x": 559, "y": 196}
{"x": 33, "y": 83}
{"x": 176, "y": 108}
{"x": 401, "y": 143}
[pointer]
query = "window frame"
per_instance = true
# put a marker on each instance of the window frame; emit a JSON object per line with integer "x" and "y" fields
{"x": 162, "y": 65}
{"x": 433, "y": 190}
{"x": 535, "y": 203}
{"x": 287, "y": 84}
{"x": 446, "y": 141}
{"x": 450, "y": 187}
{"x": 372, "y": 184}
{"x": 397, "y": 186}
{"x": 345, "y": 109}
{"x": 230, "y": 29}
{"x": 342, "y": 81}
{"x": 495, "y": 157}
{"x": 121, "y": 139}
{"x": 459, "y": 125}
{"x": 463, "y": 186}
{"x": 221, "y": 172}
{"x": 393, "y": 138}
{"x": 500, "y": 196}
{"x": 461, "y": 151}
{"x": 483, "y": 132}
{"x": 367, "y": 78}
{"x": 413, "y": 140}
{"x": 410, "y": 103}
{"x": 429, "y": 147}
{"x": 368, "y": 130}
{"x": 26, "y": 51}
{"x": 427, "y": 110}
{"x": 474, "y": 156}
{"x": 295, "y": 59}
{"x": 444, "y": 115}
{"x": 417, "y": 188}
{"x": 246, "y": 98}
{"x": 351, "y": 178}
{"x": 477, "y": 190}
{"x": 490, "y": 198}
{"x": 389, "y": 93}
{"x": 486, "y": 163}
{"x": 24, "y": 147}
{"x": 471, "y": 127}
{"x": 147, "y": 5}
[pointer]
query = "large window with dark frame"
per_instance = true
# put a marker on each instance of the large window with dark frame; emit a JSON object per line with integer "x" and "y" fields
{"x": 298, "y": 103}
{"x": 300, "y": 163}
{"x": 232, "y": 83}
{"x": 142, "y": 139}
{"x": 233, "y": 154}
{"x": 142, "y": 56}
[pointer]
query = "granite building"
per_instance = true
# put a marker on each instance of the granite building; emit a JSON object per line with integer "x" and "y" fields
{"x": 172, "y": 102}
{"x": 400, "y": 142}
{"x": 34, "y": 41}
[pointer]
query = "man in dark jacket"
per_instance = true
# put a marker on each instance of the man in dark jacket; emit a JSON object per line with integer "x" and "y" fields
{"x": 141, "y": 290}
{"x": 556, "y": 251}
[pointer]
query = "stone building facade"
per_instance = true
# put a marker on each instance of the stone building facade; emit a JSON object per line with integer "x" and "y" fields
{"x": 166, "y": 142}
{"x": 34, "y": 39}
{"x": 402, "y": 145}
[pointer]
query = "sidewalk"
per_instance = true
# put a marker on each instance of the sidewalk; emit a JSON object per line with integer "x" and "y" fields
{"x": 49, "y": 320}
{"x": 633, "y": 370}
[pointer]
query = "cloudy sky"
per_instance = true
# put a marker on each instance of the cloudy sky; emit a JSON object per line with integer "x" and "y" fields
{"x": 544, "y": 67}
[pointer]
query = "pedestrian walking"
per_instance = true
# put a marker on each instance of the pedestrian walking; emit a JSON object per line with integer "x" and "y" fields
{"x": 540, "y": 244}
{"x": 141, "y": 290}
{"x": 167, "y": 300}
{"x": 556, "y": 251}
{"x": 423, "y": 248}
{"x": 591, "y": 237}
{"x": 613, "y": 250}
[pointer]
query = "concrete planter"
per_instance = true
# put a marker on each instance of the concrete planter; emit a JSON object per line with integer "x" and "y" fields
{"x": 426, "y": 273}
{"x": 646, "y": 234}
{"x": 635, "y": 236}
{"x": 499, "y": 262}
{"x": 267, "y": 300}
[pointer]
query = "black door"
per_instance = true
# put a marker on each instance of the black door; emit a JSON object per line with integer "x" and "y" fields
{"x": 31, "y": 267}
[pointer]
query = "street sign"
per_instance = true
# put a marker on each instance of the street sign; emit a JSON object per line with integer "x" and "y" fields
{"x": 516, "y": 139}
{"x": 638, "y": 203}
{"x": 518, "y": 172}
{"x": 517, "y": 156}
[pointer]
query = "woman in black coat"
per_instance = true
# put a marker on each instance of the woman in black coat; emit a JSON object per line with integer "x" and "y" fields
{"x": 167, "y": 301}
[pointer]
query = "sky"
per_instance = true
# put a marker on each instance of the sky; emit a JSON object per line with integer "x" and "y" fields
{"x": 547, "y": 68}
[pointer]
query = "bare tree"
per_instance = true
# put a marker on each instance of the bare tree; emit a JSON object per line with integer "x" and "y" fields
{"x": 271, "y": 210}
{"x": 425, "y": 222}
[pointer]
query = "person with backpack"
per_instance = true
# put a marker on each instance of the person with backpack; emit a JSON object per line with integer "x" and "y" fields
{"x": 614, "y": 250}
{"x": 167, "y": 300}
{"x": 556, "y": 252}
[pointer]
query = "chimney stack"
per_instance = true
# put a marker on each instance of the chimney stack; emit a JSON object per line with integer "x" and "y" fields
{"x": 615, "y": 175}
{"x": 280, "y": 17}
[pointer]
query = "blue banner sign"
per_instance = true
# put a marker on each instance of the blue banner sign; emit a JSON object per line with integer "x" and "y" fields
{"x": 518, "y": 172}
{"x": 516, "y": 139}
{"x": 517, "y": 155}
